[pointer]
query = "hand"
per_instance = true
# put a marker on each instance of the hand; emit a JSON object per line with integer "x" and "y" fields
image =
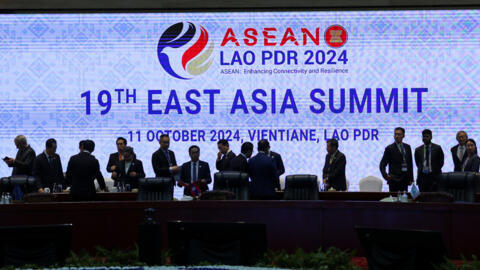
{"x": 114, "y": 175}
{"x": 40, "y": 190}
{"x": 113, "y": 168}
{"x": 219, "y": 155}
{"x": 10, "y": 161}
{"x": 203, "y": 181}
{"x": 325, "y": 181}
{"x": 133, "y": 174}
{"x": 175, "y": 169}
{"x": 180, "y": 183}
{"x": 388, "y": 177}
{"x": 105, "y": 189}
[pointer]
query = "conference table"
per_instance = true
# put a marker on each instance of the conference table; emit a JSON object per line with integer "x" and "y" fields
{"x": 112, "y": 221}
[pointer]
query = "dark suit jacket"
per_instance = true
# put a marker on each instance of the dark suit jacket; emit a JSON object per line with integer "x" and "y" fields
{"x": 82, "y": 170}
{"x": 23, "y": 164}
{"x": 113, "y": 160}
{"x": 436, "y": 159}
{"x": 203, "y": 173}
{"x": 335, "y": 172}
{"x": 457, "y": 163}
{"x": 280, "y": 168}
{"x": 393, "y": 158}
{"x": 48, "y": 174}
{"x": 239, "y": 164}
{"x": 473, "y": 164}
{"x": 224, "y": 163}
{"x": 263, "y": 174}
{"x": 160, "y": 163}
{"x": 135, "y": 166}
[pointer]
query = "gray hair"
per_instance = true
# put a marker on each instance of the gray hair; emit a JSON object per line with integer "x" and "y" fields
{"x": 128, "y": 150}
{"x": 21, "y": 140}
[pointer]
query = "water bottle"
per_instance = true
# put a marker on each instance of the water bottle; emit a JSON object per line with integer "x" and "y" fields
{"x": 399, "y": 196}
{"x": 404, "y": 197}
{"x": 8, "y": 198}
{"x": 3, "y": 198}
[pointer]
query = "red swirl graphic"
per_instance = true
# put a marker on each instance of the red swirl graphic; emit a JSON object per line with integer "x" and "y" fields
{"x": 196, "y": 48}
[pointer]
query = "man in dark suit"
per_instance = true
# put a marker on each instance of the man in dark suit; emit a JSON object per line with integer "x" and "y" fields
{"x": 398, "y": 157}
{"x": 82, "y": 170}
{"x": 224, "y": 156}
{"x": 163, "y": 160}
{"x": 459, "y": 151}
{"x": 334, "y": 168}
{"x": 277, "y": 158}
{"x": 263, "y": 174}
{"x": 128, "y": 170}
{"x": 194, "y": 171}
{"x": 116, "y": 157}
{"x": 240, "y": 163}
{"x": 23, "y": 162}
{"x": 429, "y": 159}
{"x": 472, "y": 161}
{"x": 47, "y": 168}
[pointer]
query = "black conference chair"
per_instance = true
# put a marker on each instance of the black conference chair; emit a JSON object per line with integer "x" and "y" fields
{"x": 235, "y": 182}
{"x": 239, "y": 243}
{"x": 28, "y": 184}
{"x": 301, "y": 187}
{"x": 155, "y": 189}
{"x": 43, "y": 245}
{"x": 462, "y": 185}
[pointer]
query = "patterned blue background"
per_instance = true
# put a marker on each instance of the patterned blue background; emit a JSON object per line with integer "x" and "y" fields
{"x": 48, "y": 60}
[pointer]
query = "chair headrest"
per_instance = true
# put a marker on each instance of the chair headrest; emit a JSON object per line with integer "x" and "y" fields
{"x": 155, "y": 183}
{"x": 21, "y": 180}
{"x": 230, "y": 177}
{"x": 458, "y": 179}
{"x": 301, "y": 180}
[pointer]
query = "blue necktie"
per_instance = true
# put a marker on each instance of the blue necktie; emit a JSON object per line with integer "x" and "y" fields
{"x": 194, "y": 176}
{"x": 428, "y": 157}
{"x": 168, "y": 157}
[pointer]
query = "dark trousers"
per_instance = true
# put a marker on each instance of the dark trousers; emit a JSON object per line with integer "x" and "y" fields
{"x": 427, "y": 182}
{"x": 395, "y": 186}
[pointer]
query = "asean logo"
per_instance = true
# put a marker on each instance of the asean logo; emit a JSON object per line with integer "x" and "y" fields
{"x": 184, "y": 50}
{"x": 336, "y": 36}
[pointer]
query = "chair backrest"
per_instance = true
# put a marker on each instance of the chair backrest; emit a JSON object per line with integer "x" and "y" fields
{"x": 27, "y": 183}
{"x": 371, "y": 184}
{"x": 462, "y": 185}
{"x": 301, "y": 187}
{"x": 155, "y": 189}
{"x": 43, "y": 245}
{"x": 235, "y": 182}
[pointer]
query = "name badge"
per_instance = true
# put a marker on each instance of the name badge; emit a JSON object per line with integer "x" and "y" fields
{"x": 426, "y": 171}
{"x": 404, "y": 167}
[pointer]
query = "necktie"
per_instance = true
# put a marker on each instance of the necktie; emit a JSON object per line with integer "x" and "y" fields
{"x": 50, "y": 160}
{"x": 460, "y": 155}
{"x": 427, "y": 156}
{"x": 168, "y": 157}
{"x": 402, "y": 151}
{"x": 194, "y": 176}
